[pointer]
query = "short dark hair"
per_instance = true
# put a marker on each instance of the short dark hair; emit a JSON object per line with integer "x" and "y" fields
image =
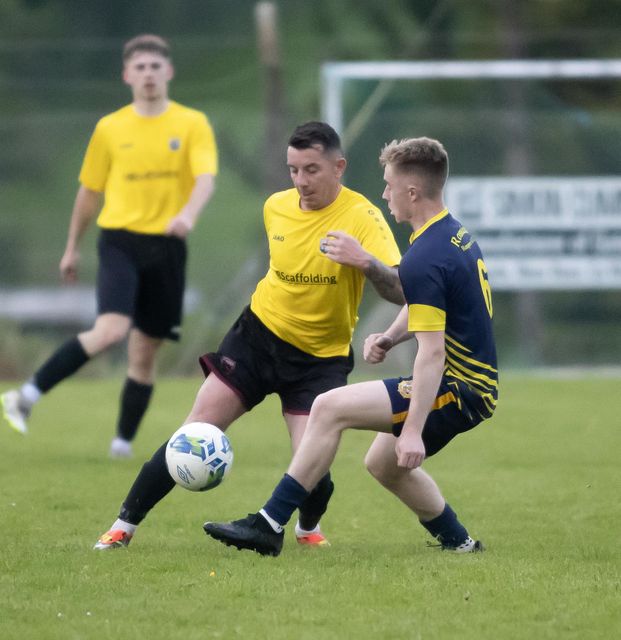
{"x": 313, "y": 133}
{"x": 146, "y": 42}
{"x": 425, "y": 156}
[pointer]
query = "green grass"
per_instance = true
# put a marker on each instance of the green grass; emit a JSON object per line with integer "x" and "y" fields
{"x": 538, "y": 483}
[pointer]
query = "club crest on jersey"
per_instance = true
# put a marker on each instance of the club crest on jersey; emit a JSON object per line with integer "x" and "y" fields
{"x": 405, "y": 388}
{"x": 174, "y": 144}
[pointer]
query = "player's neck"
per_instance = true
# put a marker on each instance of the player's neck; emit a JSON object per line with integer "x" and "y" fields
{"x": 427, "y": 211}
{"x": 150, "y": 108}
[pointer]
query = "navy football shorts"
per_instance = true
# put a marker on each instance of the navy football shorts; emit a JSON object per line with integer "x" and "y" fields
{"x": 450, "y": 415}
{"x": 255, "y": 362}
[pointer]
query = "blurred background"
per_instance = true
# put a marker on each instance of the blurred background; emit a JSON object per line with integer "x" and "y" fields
{"x": 256, "y": 70}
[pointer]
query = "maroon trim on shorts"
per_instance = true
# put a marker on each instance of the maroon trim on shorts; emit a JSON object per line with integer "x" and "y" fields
{"x": 209, "y": 367}
{"x": 296, "y": 412}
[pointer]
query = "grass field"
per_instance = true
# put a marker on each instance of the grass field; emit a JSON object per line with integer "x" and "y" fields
{"x": 539, "y": 484}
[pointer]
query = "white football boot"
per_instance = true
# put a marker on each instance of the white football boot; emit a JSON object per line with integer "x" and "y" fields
{"x": 15, "y": 410}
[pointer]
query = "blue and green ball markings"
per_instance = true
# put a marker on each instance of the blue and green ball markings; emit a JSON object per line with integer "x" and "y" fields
{"x": 203, "y": 449}
{"x": 191, "y": 445}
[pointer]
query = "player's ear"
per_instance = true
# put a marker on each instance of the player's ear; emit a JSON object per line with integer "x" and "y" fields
{"x": 341, "y": 163}
{"x": 170, "y": 73}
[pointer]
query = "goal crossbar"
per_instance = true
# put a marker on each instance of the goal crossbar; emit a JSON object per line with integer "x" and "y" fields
{"x": 333, "y": 74}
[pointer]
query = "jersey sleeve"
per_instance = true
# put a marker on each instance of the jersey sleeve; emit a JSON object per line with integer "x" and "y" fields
{"x": 203, "y": 149}
{"x": 424, "y": 288}
{"x": 96, "y": 163}
{"x": 378, "y": 238}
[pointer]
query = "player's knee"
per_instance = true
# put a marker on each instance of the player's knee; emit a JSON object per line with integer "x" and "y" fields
{"x": 108, "y": 334}
{"x": 383, "y": 471}
{"x": 99, "y": 339}
{"x": 373, "y": 465}
{"x": 328, "y": 412}
{"x": 111, "y": 336}
{"x": 141, "y": 369}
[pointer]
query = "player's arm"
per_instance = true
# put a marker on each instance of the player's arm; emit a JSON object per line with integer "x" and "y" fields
{"x": 377, "y": 345}
{"x": 427, "y": 375}
{"x": 85, "y": 208}
{"x": 201, "y": 194}
{"x": 345, "y": 249}
{"x": 385, "y": 280}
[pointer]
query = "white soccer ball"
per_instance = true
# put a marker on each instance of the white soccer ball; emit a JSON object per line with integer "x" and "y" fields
{"x": 199, "y": 456}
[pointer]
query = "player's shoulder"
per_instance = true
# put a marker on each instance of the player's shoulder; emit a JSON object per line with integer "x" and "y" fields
{"x": 190, "y": 113}
{"x": 287, "y": 197}
{"x": 116, "y": 117}
{"x": 445, "y": 226}
{"x": 451, "y": 233}
{"x": 450, "y": 223}
{"x": 358, "y": 209}
{"x": 357, "y": 201}
{"x": 437, "y": 243}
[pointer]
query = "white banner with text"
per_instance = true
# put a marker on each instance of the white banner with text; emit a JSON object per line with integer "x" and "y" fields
{"x": 543, "y": 232}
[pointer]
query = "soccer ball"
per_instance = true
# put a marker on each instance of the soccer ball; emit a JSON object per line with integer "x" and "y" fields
{"x": 199, "y": 456}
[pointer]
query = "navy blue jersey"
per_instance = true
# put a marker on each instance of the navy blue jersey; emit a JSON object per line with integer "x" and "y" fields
{"x": 447, "y": 289}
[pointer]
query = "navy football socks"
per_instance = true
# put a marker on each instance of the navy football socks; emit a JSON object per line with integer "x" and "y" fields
{"x": 446, "y": 528}
{"x": 288, "y": 495}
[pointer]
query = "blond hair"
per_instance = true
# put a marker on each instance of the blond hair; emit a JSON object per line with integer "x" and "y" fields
{"x": 424, "y": 156}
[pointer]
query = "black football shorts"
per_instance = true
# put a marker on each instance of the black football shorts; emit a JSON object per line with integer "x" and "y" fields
{"x": 255, "y": 362}
{"x": 142, "y": 276}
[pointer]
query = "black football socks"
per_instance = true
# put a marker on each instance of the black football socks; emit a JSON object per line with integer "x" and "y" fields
{"x": 151, "y": 485}
{"x": 135, "y": 398}
{"x": 316, "y": 503}
{"x": 64, "y": 362}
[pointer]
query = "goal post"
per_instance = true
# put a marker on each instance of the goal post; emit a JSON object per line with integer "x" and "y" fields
{"x": 335, "y": 74}
{"x": 546, "y": 224}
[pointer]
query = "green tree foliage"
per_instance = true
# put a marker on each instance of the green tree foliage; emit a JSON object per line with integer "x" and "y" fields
{"x": 60, "y": 71}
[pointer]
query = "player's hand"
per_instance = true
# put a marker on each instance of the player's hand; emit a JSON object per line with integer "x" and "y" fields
{"x": 344, "y": 249}
{"x": 179, "y": 227}
{"x": 69, "y": 266}
{"x": 410, "y": 449}
{"x": 376, "y": 346}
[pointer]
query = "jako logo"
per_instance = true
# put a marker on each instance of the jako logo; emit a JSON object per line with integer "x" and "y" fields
{"x": 279, "y": 238}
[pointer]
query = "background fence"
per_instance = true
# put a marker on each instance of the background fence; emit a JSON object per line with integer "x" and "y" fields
{"x": 60, "y": 72}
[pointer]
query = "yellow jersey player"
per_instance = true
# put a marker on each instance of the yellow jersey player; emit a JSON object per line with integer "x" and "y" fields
{"x": 454, "y": 384}
{"x": 294, "y": 339}
{"x": 152, "y": 164}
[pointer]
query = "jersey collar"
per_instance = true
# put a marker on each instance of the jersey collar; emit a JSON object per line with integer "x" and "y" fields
{"x": 427, "y": 224}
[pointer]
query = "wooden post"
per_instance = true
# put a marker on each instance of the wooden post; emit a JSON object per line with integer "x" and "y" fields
{"x": 518, "y": 161}
{"x": 275, "y": 174}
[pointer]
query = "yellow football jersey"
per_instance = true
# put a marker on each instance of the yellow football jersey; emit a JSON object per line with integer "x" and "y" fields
{"x": 305, "y": 298}
{"x": 146, "y": 166}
